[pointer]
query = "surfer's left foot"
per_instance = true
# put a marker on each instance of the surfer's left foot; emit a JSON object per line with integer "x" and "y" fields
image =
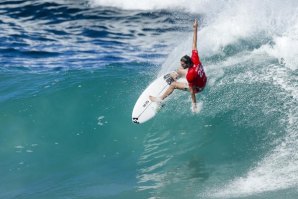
{"x": 155, "y": 99}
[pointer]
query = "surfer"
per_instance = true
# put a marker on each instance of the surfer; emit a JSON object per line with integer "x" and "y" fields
{"x": 192, "y": 69}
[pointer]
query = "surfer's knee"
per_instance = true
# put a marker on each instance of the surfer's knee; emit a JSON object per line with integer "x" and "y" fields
{"x": 173, "y": 85}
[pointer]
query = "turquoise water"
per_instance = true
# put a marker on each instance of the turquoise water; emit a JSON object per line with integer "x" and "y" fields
{"x": 71, "y": 134}
{"x": 71, "y": 73}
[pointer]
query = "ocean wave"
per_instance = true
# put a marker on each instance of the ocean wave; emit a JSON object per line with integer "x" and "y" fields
{"x": 78, "y": 32}
{"x": 71, "y": 72}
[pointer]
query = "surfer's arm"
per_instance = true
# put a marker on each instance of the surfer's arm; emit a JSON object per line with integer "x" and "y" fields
{"x": 193, "y": 95}
{"x": 195, "y": 31}
{"x": 193, "y": 99}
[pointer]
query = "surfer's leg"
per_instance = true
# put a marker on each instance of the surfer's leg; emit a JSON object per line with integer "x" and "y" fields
{"x": 155, "y": 99}
{"x": 181, "y": 86}
{"x": 172, "y": 87}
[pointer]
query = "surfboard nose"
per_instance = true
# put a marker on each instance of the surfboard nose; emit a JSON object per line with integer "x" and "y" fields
{"x": 135, "y": 120}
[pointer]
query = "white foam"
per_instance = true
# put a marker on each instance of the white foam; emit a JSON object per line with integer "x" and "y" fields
{"x": 249, "y": 20}
{"x": 278, "y": 169}
{"x": 275, "y": 172}
{"x": 285, "y": 48}
{"x": 100, "y": 121}
{"x": 195, "y": 7}
{"x": 198, "y": 109}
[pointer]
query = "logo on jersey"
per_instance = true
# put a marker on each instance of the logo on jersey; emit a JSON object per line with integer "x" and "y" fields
{"x": 200, "y": 71}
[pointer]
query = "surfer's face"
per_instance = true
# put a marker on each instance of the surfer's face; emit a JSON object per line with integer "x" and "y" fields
{"x": 183, "y": 64}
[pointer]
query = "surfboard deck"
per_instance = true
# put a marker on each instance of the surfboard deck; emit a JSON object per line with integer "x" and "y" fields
{"x": 144, "y": 108}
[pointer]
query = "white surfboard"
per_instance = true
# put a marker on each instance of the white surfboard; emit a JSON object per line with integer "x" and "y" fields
{"x": 144, "y": 108}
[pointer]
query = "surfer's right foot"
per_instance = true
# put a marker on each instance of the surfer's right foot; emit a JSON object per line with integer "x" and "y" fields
{"x": 155, "y": 99}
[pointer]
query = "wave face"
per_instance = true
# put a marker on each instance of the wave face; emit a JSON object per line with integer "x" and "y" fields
{"x": 71, "y": 72}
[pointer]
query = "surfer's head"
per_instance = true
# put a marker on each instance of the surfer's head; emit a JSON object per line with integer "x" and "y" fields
{"x": 186, "y": 61}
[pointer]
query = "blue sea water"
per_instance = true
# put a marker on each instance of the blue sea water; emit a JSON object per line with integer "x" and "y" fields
{"x": 71, "y": 72}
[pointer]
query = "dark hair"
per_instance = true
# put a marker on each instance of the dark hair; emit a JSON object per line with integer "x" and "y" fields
{"x": 187, "y": 60}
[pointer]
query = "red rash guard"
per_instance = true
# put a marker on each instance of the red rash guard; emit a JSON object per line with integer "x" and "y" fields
{"x": 196, "y": 76}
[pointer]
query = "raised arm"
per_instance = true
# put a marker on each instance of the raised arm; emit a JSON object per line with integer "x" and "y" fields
{"x": 194, "y": 47}
{"x": 195, "y": 31}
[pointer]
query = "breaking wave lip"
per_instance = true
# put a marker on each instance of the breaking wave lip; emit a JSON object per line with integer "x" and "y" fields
{"x": 248, "y": 21}
{"x": 184, "y": 5}
{"x": 277, "y": 170}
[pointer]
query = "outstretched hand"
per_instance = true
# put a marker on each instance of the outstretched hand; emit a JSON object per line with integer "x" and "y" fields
{"x": 196, "y": 107}
{"x": 195, "y": 24}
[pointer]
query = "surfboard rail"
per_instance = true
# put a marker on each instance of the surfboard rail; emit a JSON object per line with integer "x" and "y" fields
{"x": 144, "y": 108}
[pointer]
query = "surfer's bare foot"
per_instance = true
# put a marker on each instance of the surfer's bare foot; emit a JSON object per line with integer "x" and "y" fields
{"x": 155, "y": 99}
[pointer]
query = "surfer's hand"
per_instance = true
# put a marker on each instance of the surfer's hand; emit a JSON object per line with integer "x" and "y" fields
{"x": 195, "y": 24}
{"x": 194, "y": 108}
